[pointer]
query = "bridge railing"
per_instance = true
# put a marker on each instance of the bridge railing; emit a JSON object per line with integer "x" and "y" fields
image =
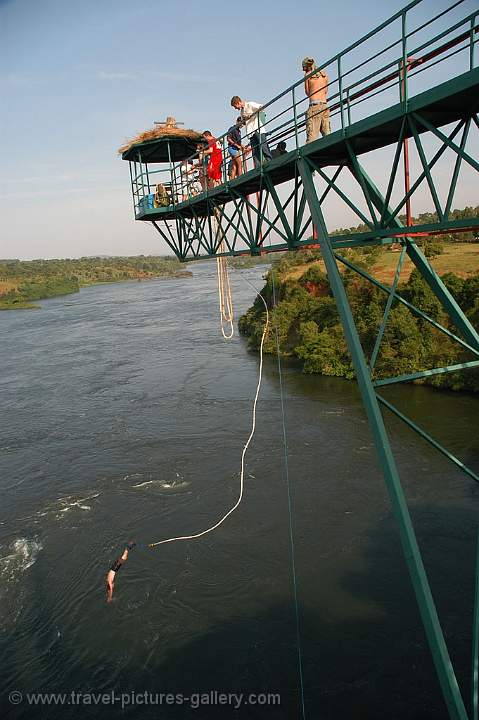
{"x": 387, "y": 66}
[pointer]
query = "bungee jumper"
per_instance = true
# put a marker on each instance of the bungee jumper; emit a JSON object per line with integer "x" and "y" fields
{"x": 110, "y": 576}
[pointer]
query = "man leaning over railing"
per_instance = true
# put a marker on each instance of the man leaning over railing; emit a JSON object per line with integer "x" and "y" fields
{"x": 316, "y": 89}
{"x": 254, "y": 118}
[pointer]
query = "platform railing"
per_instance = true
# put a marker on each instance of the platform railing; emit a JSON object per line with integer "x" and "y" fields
{"x": 361, "y": 80}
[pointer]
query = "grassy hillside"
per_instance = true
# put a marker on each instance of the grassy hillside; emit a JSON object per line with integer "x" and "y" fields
{"x": 462, "y": 259}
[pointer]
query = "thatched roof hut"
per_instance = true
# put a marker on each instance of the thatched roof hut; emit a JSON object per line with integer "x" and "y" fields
{"x": 160, "y": 144}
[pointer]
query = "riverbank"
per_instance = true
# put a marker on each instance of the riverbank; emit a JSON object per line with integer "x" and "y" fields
{"x": 22, "y": 283}
{"x": 309, "y": 328}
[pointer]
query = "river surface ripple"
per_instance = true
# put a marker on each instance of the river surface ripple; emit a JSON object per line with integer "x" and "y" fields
{"x": 123, "y": 415}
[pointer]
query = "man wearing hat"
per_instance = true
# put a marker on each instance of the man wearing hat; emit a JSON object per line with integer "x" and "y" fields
{"x": 316, "y": 89}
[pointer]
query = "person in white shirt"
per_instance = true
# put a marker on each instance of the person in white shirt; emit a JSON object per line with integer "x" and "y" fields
{"x": 186, "y": 169}
{"x": 254, "y": 119}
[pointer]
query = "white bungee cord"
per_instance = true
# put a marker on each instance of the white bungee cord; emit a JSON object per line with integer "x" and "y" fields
{"x": 246, "y": 445}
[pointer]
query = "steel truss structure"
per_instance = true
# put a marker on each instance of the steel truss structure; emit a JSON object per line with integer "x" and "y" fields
{"x": 251, "y": 208}
{"x": 282, "y": 205}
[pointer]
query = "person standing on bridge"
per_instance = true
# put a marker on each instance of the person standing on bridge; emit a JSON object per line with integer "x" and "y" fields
{"x": 235, "y": 149}
{"x": 254, "y": 118}
{"x": 215, "y": 160}
{"x": 280, "y": 149}
{"x": 316, "y": 89}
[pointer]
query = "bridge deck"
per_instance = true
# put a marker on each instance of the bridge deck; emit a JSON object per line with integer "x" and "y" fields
{"x": 448, "y": 102}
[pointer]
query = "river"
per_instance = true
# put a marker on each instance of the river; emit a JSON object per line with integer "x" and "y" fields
{"x": 124, "y": 413}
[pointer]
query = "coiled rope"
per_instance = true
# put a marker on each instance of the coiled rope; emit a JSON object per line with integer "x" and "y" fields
{"x": 225, "y": 298}
{"x": 224, "y": 288}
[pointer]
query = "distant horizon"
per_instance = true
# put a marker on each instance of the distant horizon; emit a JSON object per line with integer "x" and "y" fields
{"x": 204, "y": 258}
{"x": 73, "y": 95}
{"x": 89, "y": 257}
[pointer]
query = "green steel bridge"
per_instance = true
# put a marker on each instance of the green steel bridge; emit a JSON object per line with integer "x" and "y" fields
{"x": 405, "y": 99}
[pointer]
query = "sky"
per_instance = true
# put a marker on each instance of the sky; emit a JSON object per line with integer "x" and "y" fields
{"x": 79, "y": 78}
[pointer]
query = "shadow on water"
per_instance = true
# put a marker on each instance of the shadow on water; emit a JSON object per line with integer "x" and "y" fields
{"x": 375, "y": 668}
{"x": 362, "y": 665}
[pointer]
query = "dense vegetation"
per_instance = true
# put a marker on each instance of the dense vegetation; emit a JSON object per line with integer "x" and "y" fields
{"x": 308, "y": 325}
{"x": 430, "y": 218}
{"x": 23, "y": 282}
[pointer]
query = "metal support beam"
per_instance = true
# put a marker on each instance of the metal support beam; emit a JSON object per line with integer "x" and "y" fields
{"x": 442, "y": 661}
{"x": 387, "y": 309}
{"x": 446, "y": 299}
{"x": 418, "y": 313}
{"x": 426, "y": 373}
{"x": 449, "y": 455}
{"x": 475, "y": 641}
{"x": 280, "y": 210}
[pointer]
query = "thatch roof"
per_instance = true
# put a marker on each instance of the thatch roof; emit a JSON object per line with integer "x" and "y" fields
{"x": 181, "y": 139}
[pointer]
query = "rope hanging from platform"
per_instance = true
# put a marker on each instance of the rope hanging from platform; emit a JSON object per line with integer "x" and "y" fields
{"x": 224, "y": 287}
{"x": 290, "y": 499}
{"x": 246, "y": 445}
{"x": 225, "y": 297}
